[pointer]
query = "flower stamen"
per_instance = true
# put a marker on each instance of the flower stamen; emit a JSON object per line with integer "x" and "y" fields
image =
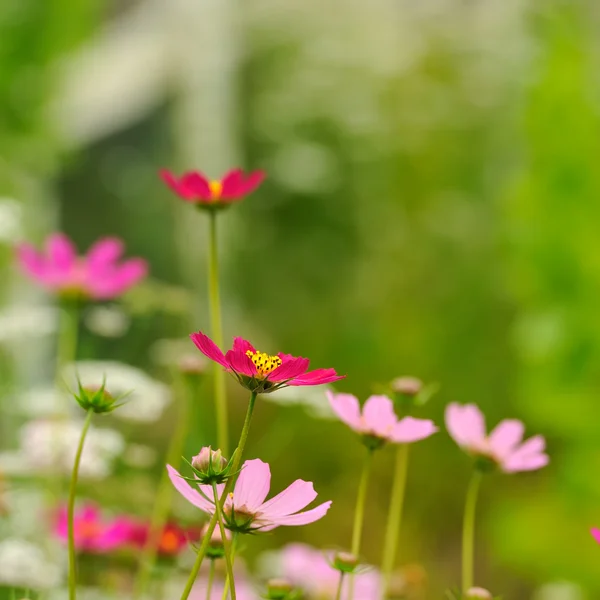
{"x": 264, "y": 363}
{"x": 216, "y": 188}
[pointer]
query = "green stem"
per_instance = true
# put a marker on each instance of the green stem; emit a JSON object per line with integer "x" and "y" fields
{"x": 71, "y": 506}
{"x": 217, "y": 333}
{"x": 68, "y": 328}
{"x": 468, "y": 537}
{"x": 228, "y": 549}
{"x": 162, "y": 506}
{"x": 338, "y": 595}
{"x": 392, "y": 533}
{"x": 359, "y": 514}
{"x": 211, "y": 578}
{"x": 213, "y": 521}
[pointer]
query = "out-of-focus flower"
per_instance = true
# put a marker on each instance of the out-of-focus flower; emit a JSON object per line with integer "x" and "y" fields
{"x": 139, "y": 456}
{"x": 24, "y": 565}
{"x": 11, "y": 217}
{"x": 378, "y": 422}
{"x": 107, "y": 321}
{"x": 245, "y": 508}
{"x": 559, "y": 590}
{"x": 195, "y": 187}
{"x": 49, "y": 446}
{"x": 262, "y": 373}
{"x": 172, "y": 540}
{"x": 94, "y": 534}
{"x": 99, "y": 275}
{"x": 478, "y": 593}
{"x": 311, "y": 570}
{"x": 280, "y": 589}
{"x": 595, "y": 533}
{"x": 27, "y": 322}
{"x": 503, "y": 447}
{"x": 146, "y": 397}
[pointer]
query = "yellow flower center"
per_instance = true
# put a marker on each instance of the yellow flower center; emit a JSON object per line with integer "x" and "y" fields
{"x": 216, "y": 187}
{"x": 264, "y": 363}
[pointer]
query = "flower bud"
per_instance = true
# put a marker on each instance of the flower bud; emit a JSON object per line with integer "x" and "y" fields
{"x": 216, "y": 548}
{"x": 95, "y": 398}
{"x": 345, "y": 562}
{"x": 477, "y": 593}
{"x": 279, "y": 589}
{"x": 409, "y": 386}
{"x": 190, "y": 364}
{"x": 208, "y": 459}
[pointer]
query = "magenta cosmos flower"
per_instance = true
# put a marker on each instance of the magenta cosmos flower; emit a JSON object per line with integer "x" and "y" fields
{"x": 503, "y": 447}
{"x": 377, "y": 422}
{"x": 195, "y": 187}
{"x": 595, "y": 534}
{"x": 245, "y": 509}
{"x": 262, "y": 373}
{"x": 93, "y": 533}
{"x": 99, "y": 275}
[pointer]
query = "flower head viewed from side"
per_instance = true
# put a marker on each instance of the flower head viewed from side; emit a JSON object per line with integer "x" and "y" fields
{"x": 377, "y": 422}
{"x": 99, "y": 275}
{"x": 196, "y": 188}
{"x": 503, "y": 447}
{"x": 245, "y": 508}
{"x": 261, "y": 373}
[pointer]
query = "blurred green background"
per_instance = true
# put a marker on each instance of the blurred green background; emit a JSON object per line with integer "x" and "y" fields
{"x": 431, "y": 209}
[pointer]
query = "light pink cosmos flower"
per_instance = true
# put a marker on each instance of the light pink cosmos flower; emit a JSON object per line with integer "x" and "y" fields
{"x": 93, "y": 533}
{"x": 310, "y": 570}
{"x": 245, "y": 509}
{"x": 99, "y": 275}
{"x": 195, "y": 187}
{"x": 378, "y": 421}
{"x": 504, "y": 446}
{"x": 262, "y": 373}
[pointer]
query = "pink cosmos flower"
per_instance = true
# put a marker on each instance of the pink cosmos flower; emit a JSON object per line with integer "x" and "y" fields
{"x": 503, "y": 446}
{"x": 245, "y": 509}
{"x": 310, "y": 570}
{"x": 98, "y": 275}
{"x": 197, "y": 188}
{"x": 93, "y": 533}
{"x": 262, "y": 373}
{"x": 378, "y": 422}
{"x": 595, "y": 534}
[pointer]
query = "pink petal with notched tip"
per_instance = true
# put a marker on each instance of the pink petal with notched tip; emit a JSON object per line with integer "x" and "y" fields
{"x": 188, "y": 492}
{"x": 378, "y": 415}
{"x": 304, "y": 518}
{"x": 466, "y": 425}
{"x": 209, "y": 348}
{"x": 104, "y": 253}
{"x": 252, "y": 485}
{"x": 347, "y": 408}
{"x": 505, "y": 437}
{"x": 294, "y": 498}
{"x": 529, "y": 462}
{"x": 61, "y": 252}
{"x": 410, "y": 430}
{"x": 242, "y": 345}
{"x": 241, "y": 363}
{"x": 289, "y": 369}
{"x": 316, "y": 377}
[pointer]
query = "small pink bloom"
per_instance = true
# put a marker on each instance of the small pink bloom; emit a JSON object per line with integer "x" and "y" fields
{"x": 93, "y": 533}
{"x": 99, "y": 275}
{"x": 246, "y": 510}
{"x": 504, "y": 446}
{"x": 195, "y": 187}
{"x": 259, "y": 372}
{"x": 595, "y": 534}
{"x": 172, "y": 541}
{"x": 378, "y": 419}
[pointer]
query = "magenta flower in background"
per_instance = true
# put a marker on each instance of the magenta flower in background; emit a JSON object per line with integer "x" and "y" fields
{"x": 595, "y": 534}
{"x": 262, "y": 373}
{"x": 246, "y": 510}
{"x": 504, "y": 446}
{"x": 310, "y": 570}
{"x": 378, "y": 421}
{"x": 93, "y": 533}
{"x": 195, "y": 187}
{"x": 99, "y": 275}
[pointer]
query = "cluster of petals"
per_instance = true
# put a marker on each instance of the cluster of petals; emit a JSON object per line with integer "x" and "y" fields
{"x": 248, "y": 498}
{"x": 195, "y": 187}
{"x": 378, "y": 419}
{"x": 262, "y": 377}
{"x": 504, "y": 446}
{"x": 172, "y": 540}
{"x": 310, "y": 570}
{"x": 99, "y": 275}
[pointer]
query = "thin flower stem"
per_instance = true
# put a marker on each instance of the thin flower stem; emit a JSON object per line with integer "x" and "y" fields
{"x": 359, "y": 513}
{"x": 394, "y": 520}
{"x": 217, "y": 333}
{"x": 213, "y": 521}
{"x": 68, "y": 329}
{"x": 338, "y": 595}
{"x": 164, "y": 496}
{"x": 468, "y": 537}
{"x": 71, "y": 506}
{"x": 211, "y": 578}
{"x": 228, "y": 547}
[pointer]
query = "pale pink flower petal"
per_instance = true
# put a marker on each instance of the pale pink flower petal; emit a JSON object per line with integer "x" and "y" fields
{"x": 294, "y": 498}
{"x": 253, "y": 485}
{"x": 412, "y": 430}
{"x": 378, "y": 415}
{"x": 347, "y": 408}
{"x": 466, "y": 425}
{"x": 529, "y": 462}
{"x": 304, "y": 518}
{"x": 506, "y": 436}
{"x": 188, "y": 492}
